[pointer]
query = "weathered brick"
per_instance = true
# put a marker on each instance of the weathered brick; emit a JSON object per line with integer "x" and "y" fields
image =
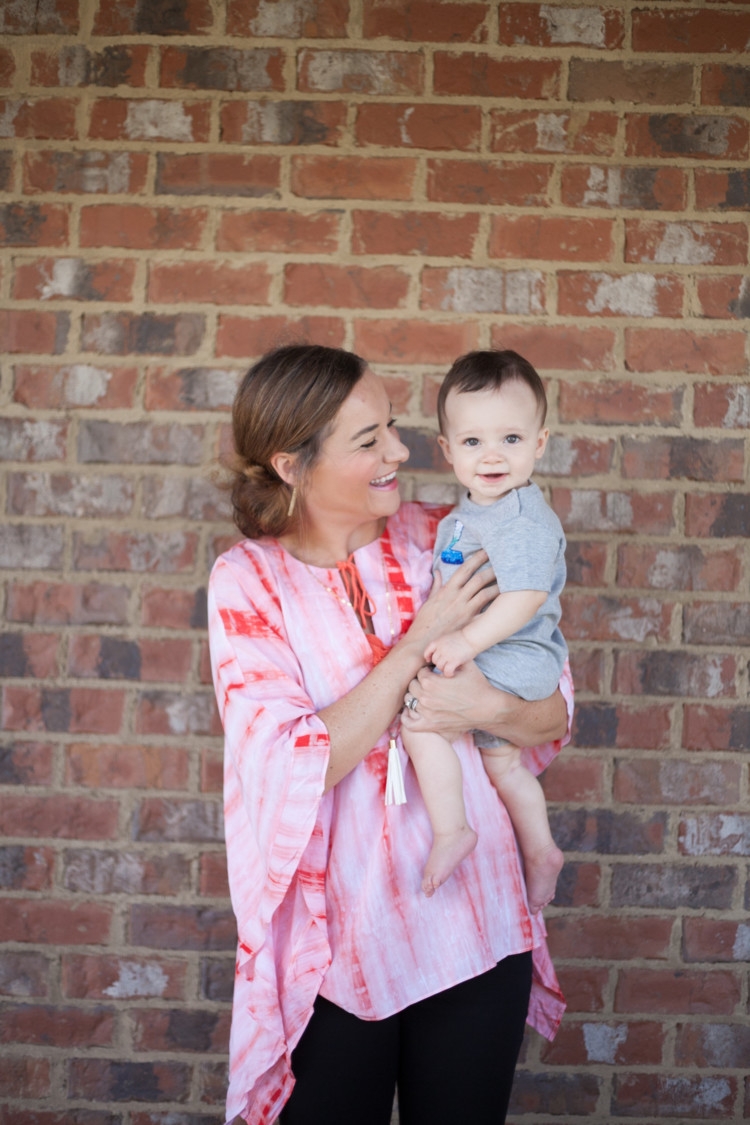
{"x": 24, "y": 974}
{"x": 6, "y": 171}
{"x": 126, "y": 767}
{"x": 168, "y": 712}
{"x": 127, "y": 333}
{"x": 724, "y": 297}
{"x": 716, "y": 728}
{"x": 585, "y": 510}
{"x": 672, "y": 887}
{"x": 652, "y": 83}
{"x": 588, "y": 668}
{"x": 523, "y": 236}
{"x": 149, "y": 119}
{"x": 408, "y": 341}
{"x": 488, "y": 182}
{"x": 25, "y": 868}
{"x": 463, "y": 289}
{"x": 212, "y": 772}
{"x": 7, "y": 67}
{"x": 633, "y": 294}
{"x": 690, "y": 458}
{"x": 181, "y": 1029}
{"x": 77, "y": 65}
{"x": 48, "y": 603}
{"x": 353, "y": 177}
{"x": 716, "y": 1045}
{"x": 607, "y": 724}
{"x": 694, "y": 1097}
{"x": 585, "y": 988}
{"x": 157, "y": 17}
{"x": 218, "y": 173}
{"x": 86, "y": 172}
{"x": 27, "y": 439}
{"x": 677, "y": 568}
{"x": 426, "y": 233}
{"x": 725, "y": 190}
{"x": 57, "y": 17}
{"x": 57, "y": 1026}
{"x": 725, "y": 85}
{"x": 578, "y": 885}
{"x": 201, "y": 928}
{"x": 609, "y": 618}
{"x": 624, "y": 187}
{"x": 579, "y": 132}
{"x": 60, "y": 816}
{"x": 70, "y": 494}
{"x": 660, "y": 349}
{"x": 712, "y": 624}
{"x": 701, "y": 30}
{"x": 169, "y": 608}
{"x": 715, "y": 834}
{"x": 191, "y": 388}
{"x": 545, "y": 25}
{"x": 619, "y": 402}
{"x": 26, "y": 330}
{"x": 38, "y": 119}
{"x": 609, "y": 937}
{"x": 30, "y": 1075}
{"x": 140, "y": 552}
{"x": 78, "y": 386}
{"x": 246, "y": 337}
{"x": 213, "y": 877}
{"x": 299, "y": 19}
{"x": 76, "y": 279}
{"x": 54, "y": 923}
{"x": 689, "y": 244}
{"x": 217, "y": 978}
{"x": 26, "y": 763}
{"x": 567, "y": 1094}
{"x": 558, "y": 348}
{"x": 142, "y": 228}
{"x": 394, "y": 73}
{"x": 695, "y": 136}
{"x": 97, "y": 977}
{"x": 264, "y": 230}
{"x": 635, "y": 1043}
{"x": 717, "y": 517}
{"x": 140, "y": 443}
{"x": 382, "y": 287}
{"x": 712, "y": 939}
{"x": 94, "y": 872}
{"x": 23, "y": 545}
{"x": 283, "y": 122}
{"x": 33, "y": 655}
{"x": 645, "y": 782}
{"x": 222, "y": 68}
{"x": 608, "y": 833}
{"x": 181, "y": 821}
{"x": 110, "y": 1080}
{"x": 421, "y": 21}
{"x": 566, "y": 456}
{"x": 451, "y": 127}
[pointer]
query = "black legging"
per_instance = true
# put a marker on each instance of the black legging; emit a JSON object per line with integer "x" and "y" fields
{"x": 452, "y": 1057}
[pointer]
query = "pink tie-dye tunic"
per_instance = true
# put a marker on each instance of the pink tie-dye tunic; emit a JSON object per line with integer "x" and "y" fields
{"x": 326, "y": 888}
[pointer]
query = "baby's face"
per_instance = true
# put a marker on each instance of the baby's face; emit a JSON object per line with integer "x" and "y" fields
{"x": 493, "y": 439}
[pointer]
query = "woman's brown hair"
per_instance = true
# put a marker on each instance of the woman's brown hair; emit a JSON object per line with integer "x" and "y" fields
{"x": 286, "y": 403}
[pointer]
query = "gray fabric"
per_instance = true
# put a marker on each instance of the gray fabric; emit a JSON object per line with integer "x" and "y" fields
{"x": 526, "y": 546}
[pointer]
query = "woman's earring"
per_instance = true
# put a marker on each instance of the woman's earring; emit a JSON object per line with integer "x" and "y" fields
{"x": 292, "y": 502}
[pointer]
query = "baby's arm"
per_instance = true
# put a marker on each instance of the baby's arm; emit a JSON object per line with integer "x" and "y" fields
{"x": 507, "y": 614}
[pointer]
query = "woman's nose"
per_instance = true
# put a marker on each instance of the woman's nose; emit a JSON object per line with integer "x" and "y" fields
{"x": 398, "y": 451}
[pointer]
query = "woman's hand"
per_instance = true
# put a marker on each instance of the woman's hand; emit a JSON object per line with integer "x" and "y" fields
{"x": 452, "y": 605}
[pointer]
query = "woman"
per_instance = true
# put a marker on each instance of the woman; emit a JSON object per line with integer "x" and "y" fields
{"x": 349, "y": 980}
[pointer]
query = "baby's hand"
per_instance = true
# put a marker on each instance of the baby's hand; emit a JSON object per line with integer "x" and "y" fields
{"x": 448, "y": 653}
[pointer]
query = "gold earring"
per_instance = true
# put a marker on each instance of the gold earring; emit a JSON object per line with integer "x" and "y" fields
{"x": 292, "y": 502}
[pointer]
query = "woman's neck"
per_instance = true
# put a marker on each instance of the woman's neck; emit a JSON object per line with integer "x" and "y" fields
{"x": 326, "y": 546}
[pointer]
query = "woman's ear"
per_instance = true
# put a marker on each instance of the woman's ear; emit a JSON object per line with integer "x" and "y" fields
{"x": 285, "y": 465}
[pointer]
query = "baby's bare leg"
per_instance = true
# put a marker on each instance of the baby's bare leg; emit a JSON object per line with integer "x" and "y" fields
{"x": 440, "y": 779}
{"x": 523, "y": 797}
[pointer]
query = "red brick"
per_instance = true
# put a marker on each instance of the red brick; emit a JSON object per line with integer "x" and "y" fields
{"x": 606, "y": 294}
{"x": 31, "y": 1075}
{"x": 677, "y": 568}
{"x": 57, "y": 1026}
{"x": 724, "y": 406}
{"x": 426, "y": 233}
{"x": 282, "y": 123}
{"x": 683, "y": 457}
{"x": 660, "y": 349}
{"x": 78, "y": 66}
{"x": 712, "y": 939}
{"x": 169, "y": 712}
{"x": 111, "y": 657}
{"x": 723, "y": 191}
{"x": 694, "y": 244}
{"x": 170, "y": 608}
{"x": 693, "y": 136}
{"x": 146, "y": 333}
{"x": 593, "y": 617}
{"x": 378, "y": 73}
{"x": 716, "y": 516}
{"x": 725, "y": 623}
{"x": 588, "y": 671}
{"x": 282, "y": 231}
{"x": 467, "y": 74}
{"x": 585, "y": 988}
{"x": 220, "y": 283}
{"x": 126, "y": 767}
{"x": 73, "y": 278}
{"x": 726, "y": 298}
{"x": 689, "y": 31}
{"x": 653, "y": 83}
{"x": 191, "y": 388}
{"x": 48, "y": 603}
{"x": 7, "y": 67}
{"x": 712, "y": 834}
{"x": 488, "y": 182}
{"x": 55, "y": 923}
{"x": 587, "y": 566}
{"x": 170, "y": 552}
{"x": 593, "y": 510}
{"x": 186, "y": 1029}
{"x": 677, "y": 992}
{"x": 59, "y": 17}
{"x": 718, "y": 1045}
{"x": 638, "y": 1095}
{"x": 87, "y": 172}
{"x": 540, "y": 25}
{"x": 715, "y": 728}
{"x": 6, "y": 170}
{"x": 129, "y": 17}
{"x": 582, "y": 779}
{"x": 675, "y": 783}
{"x": 26, "y": 763}
{"x": 27, "y": 868}
{"x": 142, "y": 228}
{"x": 241, "y": 336}
{"x": 352, "y": 287}
{"x": 182, "y": 927}
{"x": 538, "y": 237}
{"x": 33, "y": 655}
{"x": 39, "y": 119}
{"x": 577, "y": 132}
{"x": 25, "y": 439}
{"x": 609, "y": 937}
{"x": 213, "y": 880}
{"x": 33, "y": 224}
{"x": 92, "y": 977}
{"x": 558, "y": 348}
{"x": 725, "y": 85}
{"x": 25, "y": 330}
{"x": 106, "y": 1080}
{"x": 301, "y": 19}
{"x": 621, "y": 1044}
{"x": 422, "y": 21}
{"x": 433, "y": 126}
{"x": 618, "y": 402}
{"x": 142, "y": 119}
{"x": 412, "y": 341}
{"x": 77, "y": 710}
{"x": 79, "y": 386}
{"x": 466, "y": 289}
{"x": 222, "y": 68}
{"x": 578, "y": 885}
{"x": 624, "y": 187}
{"x": 353, "y": 177}
{"x": 217, "y": 173}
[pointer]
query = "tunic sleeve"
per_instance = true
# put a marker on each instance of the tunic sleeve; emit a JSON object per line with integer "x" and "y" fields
{"x": 276, "y": 756}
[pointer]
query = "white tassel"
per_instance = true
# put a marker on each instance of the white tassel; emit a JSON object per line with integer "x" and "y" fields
{"x": 395, "y": 794}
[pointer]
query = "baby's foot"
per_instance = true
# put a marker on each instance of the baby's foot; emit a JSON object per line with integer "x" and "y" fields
{"x": 448, "y": 850}
{"x": 541, "y": 871}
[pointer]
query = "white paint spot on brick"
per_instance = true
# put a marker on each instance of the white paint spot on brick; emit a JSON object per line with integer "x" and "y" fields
{"x": 586, "y": 512}
{"x": 601, "y": 1041}
{"x": 264, "y": 124}
{"x": 574, "y": 25}
{"x": 73, "y": 66}
{"x": 8, "y": 119}
{"x": 189, "y": 714}
{"x": 103, "y": 172}
{"x": 333, "y": 70}
{"x": 282, "y": 18}
{"x": 682, "y": 244}
{"x": 105, "y": 336}
{"x": 741, "y": 946}
{"x": 629, "y": 627}
{"x": 81, "y": 497}
{"x": 689, "y": 1097}
{"x": 666, "y": 571}
{"x": 631, "y": 295}
{"x": 86, "y": 385}
{"x": 65, "y": 280}
{"x": 559, "y": 457}
{"x": 551, "y": 131}
{"x": 738, "y": 408}
{"x": 603, "y": 188}
{"x": 490, "y": 290}
{"x": 158, "y": 120}
{"x": 138, "y": 980}
{"x": 523, "y": 292}
{"x": 403, "y": 123}
{"x": 726, "y": 834}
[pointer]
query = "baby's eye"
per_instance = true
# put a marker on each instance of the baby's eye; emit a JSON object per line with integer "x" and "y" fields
{"x": 471, "y": 441}
{"x": 512, "y": 439}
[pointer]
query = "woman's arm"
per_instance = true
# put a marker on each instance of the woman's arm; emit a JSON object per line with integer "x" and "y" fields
{"x": 454, "y": 705}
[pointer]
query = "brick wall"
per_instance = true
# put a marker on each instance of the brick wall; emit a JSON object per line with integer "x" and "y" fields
{"x": 183, "y": 185}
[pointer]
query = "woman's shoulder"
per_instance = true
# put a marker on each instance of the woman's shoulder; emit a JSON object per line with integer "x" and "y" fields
{"x": 246, "y": 562}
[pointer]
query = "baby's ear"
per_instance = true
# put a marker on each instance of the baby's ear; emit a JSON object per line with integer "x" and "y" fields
{"x": 541, "y": 443}
{"x": 443, "y": 443}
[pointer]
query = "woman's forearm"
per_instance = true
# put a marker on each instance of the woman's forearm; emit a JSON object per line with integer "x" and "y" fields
{"x": 524, "y": 722}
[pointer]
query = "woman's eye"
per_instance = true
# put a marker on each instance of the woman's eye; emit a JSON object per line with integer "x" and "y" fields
{"x": 368, "y": 444}
{"x": 392, "y": 423}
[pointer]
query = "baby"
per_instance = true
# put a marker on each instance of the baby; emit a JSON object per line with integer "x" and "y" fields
{"x": 491, "y": 410}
